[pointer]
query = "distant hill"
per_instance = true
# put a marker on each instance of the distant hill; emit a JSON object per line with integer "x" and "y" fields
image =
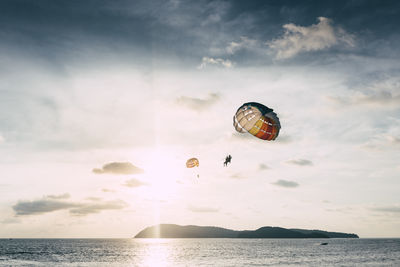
{"x": 329, "y": 234}
{"x": 188, "y": 231}
{"x": 278, "y": 232}
{"x": 193, "y": 231}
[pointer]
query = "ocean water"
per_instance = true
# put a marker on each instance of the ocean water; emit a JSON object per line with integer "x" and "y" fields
{"x": 199, "y": 252}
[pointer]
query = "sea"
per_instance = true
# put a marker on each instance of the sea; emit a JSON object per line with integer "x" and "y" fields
{"x": 200, "y": 252}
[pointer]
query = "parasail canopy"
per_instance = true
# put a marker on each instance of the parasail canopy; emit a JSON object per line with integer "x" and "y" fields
{"x": 193, "y": 162}
{"x": 258, "y": 120}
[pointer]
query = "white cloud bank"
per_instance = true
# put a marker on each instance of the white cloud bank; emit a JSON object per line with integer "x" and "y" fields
{"x": 215, "y": 61}
{"x": 297, "y": 39}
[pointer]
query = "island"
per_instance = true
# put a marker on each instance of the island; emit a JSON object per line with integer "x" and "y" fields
{"x": 193, "y": 231}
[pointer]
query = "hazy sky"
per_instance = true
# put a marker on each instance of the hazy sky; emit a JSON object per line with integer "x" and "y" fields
{"x": 102, "y": 103}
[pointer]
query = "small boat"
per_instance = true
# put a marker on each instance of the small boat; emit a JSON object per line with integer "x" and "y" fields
{"x": 323, "y": 244}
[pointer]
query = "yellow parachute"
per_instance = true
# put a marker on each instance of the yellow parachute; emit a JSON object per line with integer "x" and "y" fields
{"x": 258, "y": 120}
{"x": 193, "y": 162}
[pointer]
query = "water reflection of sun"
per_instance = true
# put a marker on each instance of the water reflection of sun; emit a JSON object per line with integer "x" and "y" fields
{"x": 157, "y": 252}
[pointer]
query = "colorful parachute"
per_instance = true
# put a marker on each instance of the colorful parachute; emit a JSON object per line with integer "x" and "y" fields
{"x": 257, "y": 119}
{"x": 193, "y": 162}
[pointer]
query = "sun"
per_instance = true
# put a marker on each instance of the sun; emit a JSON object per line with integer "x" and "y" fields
{"x": 163, "y": 169}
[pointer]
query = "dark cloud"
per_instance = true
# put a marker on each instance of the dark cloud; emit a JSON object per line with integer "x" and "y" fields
{"x": 118, "y": 168}
{"x": 300, "y": 162}
{"x": 263, "y": 166}
{"x": 285, "y": 183}
{"x": 42, "y": 206}
{"x": 66, "y": 31}
{"x": 390, "y": 209}
{"x": 134, "y": 183}
{"x": 198, "y": 103}
{"x": 62, "y": 196}
{"x": 186, "y": 30}
{"x": 202, "y": 209}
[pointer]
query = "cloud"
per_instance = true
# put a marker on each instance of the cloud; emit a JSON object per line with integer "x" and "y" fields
{"x": 86, "y": 209}
{"x": 390, "y": 209}
{"x": 62, "y": 196}
{"x": 244, "y": 43}
{"x": 2, "y": 140}
{"x": 393, "y": 139}
{"x": 118, "y": 168}
{"x": 10, "y": 221}
{"x": 297, "y": 39}
{"x": 384, "y": 141}
{"x": 198, "y": 103}
{"x": 237, "y": 176}
{"x": 263, "y": 166}
{"x": 106, "y": 190}
{"x": 285, "y": 183}
{"x": 382, "y": 99}
{"x": 215, "y": 61}
{"x": 300, "y": 162}
{"x": 202, "y": 209}
{"x": 93, "y": 198}
{"x": 42, "y": 206}
{"x": 377, "y": 91}
{"x": 133, "y": 183}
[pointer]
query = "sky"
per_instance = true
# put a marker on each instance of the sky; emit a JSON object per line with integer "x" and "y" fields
{"x": 102, "y": 103}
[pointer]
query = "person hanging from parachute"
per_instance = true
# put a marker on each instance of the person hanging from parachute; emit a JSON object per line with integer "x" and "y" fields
{"x": 227, "y": 160}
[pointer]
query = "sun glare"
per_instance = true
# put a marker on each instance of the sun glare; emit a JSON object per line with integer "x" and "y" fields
{"x": 158, "y": 252}
{"x": 162, "y": 171}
